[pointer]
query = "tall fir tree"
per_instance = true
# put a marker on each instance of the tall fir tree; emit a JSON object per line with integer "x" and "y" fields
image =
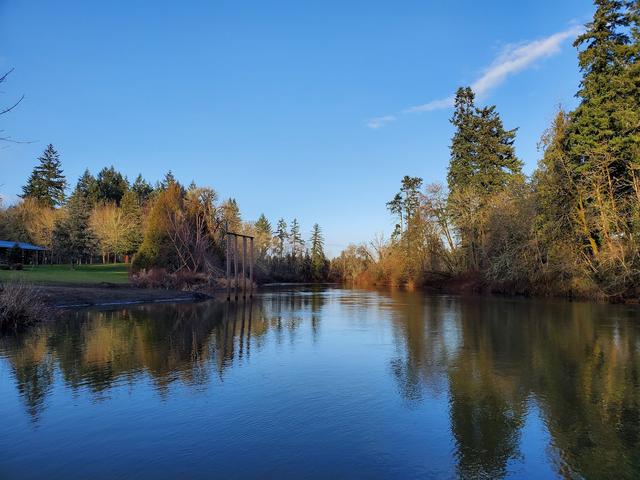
{"x": 483, "y": 163}
{"x": 132, "y": 215}
{"x": 482, "y": 152}
{"x": 281, "y": 237}
{"x": 87, "y": 187}
{"x": 295, "y": 239}
{"x": 263, "y": 235}
{"x": 464, "y": 142}
{"x": 72, "y": 236}
{"x": 142, "y": 189}
{"x": 47, "y": 182}
{"x": 318, "y": 260}
{"x": 603, "y": 138}
{"x": 111, "y": 185}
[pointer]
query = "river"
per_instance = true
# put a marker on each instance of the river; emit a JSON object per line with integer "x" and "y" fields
{"x": 326, "y": 383}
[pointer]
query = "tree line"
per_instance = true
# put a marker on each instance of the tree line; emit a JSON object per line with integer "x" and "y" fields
{"x": 165, "y": 226}
{"x": 571, "y": 228}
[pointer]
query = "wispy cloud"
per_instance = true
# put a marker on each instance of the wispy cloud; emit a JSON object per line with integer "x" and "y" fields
{"x": 513, "y": 59}
{"x": 432, "y": 105}
{"x": 378, "y": 122}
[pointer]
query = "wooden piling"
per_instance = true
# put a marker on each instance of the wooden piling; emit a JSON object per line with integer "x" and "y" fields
{"x": 251, "y": 267}
{"x": 228, "y": 264}
{"x": 244, "y": 261}
{"x": 235, "y": 263}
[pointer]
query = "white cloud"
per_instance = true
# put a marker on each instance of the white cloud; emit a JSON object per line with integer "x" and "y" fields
{"x": 516, "y": 58}
{"x": 513, "y": 59}
{"x": 378, "y": 122}
{"x": 432, "y": 105}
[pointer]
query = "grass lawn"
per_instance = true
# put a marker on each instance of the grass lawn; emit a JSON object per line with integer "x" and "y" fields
{"x": 85, "y": 274}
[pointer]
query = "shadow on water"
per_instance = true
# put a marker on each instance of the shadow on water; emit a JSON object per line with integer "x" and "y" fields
{"x": 491, "y": 359}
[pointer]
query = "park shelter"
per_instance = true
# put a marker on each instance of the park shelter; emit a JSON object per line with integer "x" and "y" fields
{"x": 29, "y": 251}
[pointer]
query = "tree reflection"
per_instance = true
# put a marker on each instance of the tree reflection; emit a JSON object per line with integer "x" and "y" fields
{"x": 97, "y": 350}
{"x": 491, "y": 358}
{"x": 578, "y": 361}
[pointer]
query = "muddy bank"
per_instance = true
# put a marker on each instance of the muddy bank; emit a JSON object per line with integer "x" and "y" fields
{"x": 76, "y": 296}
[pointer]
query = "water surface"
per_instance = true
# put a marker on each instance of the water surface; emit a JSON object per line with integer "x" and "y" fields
{"x": 326, "y": 383}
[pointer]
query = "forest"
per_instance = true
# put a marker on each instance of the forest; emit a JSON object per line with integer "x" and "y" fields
{"x": 571, "y": 228}
{"x": 163, "y": 230}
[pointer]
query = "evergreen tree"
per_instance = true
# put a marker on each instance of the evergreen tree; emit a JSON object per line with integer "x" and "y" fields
{"x": 263, "y": 235}
{"x": 281, "y": 237}
{"x": 295, "y": 238}
{"x": 169, "y": 179}
{"x": 603, "y": 138}
{"x": 47, "y": 182}
{"x": 396, "y": 207}
{"x": 132, "y": 214}
{"x": 483, "y": 164}
{"x": 111, "y": 185}
{"x": 602, "y": 145}
{"x": 87, "y": 187}
{"x": 318, "y": 259}
{"x": 464, "y": 143}
{"x": 482, "y": 152}
{"x": 72, "y": 237}
{"x": 554, "y": 198}
{"x": 142, "y": 189}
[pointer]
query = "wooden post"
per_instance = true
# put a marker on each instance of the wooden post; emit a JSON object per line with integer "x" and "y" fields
{"x": 235, "y": 262}
{"x": 228, "y": 265}
{"x": 244, "y": 272}
{"x": 251, "y": 267}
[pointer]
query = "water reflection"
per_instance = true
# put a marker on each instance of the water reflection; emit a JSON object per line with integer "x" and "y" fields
{"x": 488, "y": 360}
{"x": 96, "y": 349}
{"x": 578, "y": 361}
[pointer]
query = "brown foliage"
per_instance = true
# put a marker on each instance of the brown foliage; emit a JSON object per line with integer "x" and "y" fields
{"x": 21, "y": 305}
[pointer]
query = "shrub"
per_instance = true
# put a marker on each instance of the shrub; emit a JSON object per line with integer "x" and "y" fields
{"x": 21, "y": 305}
{"x": 161, "y": 278}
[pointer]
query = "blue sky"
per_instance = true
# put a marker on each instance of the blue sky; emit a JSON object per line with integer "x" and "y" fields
{"x": 296, "y": 109}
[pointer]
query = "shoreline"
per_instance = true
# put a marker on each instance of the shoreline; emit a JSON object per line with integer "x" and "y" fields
{"x": 61, "y": 296}
{"x": 74, "y": 296}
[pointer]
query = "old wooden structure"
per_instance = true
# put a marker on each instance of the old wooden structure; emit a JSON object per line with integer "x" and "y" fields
{"x": 232, "y": 239}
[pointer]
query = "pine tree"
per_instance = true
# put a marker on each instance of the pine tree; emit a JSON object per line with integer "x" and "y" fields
{"x": 464, "y": 143}
{"x": 318, "y": 259}
{"x": 263, "y": 235}
{"x": 87, "y": 187}
{"x": 111, "y": 185}
{"x": 72, "y": 237}
{"x": 603, "y": 137}
{"x": 482, "y": 152}
{"x": 132, "y": 214}
{"x": 483, "y": 164}
{"x": 142, "y": 189}
{"x": 47, "y": 182}
{"x": 281, "y": 237}
{"x": 603, "y": 147}
{"x": 169, "y": 179}
{"x": 295, "y": 238}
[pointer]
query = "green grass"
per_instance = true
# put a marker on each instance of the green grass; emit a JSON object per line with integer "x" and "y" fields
{"x": 82, "y": 275}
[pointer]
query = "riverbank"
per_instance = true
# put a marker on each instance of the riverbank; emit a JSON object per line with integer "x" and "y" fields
{"x": 474, "y": 284}
{"x": 81, "y": 296}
